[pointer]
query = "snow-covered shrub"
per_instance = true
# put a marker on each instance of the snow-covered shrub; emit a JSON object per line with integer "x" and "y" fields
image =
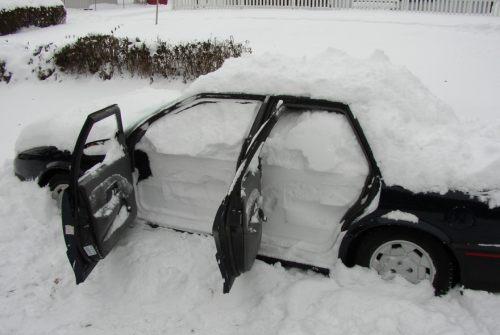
{"x": 44, "y": 67}
{"x": 106, "y": 55}
{"x": 4, "y": 74}
{"x": 15, "y": 15}
{"x": 101, "y": 54}
{"x": 191, "y": 60}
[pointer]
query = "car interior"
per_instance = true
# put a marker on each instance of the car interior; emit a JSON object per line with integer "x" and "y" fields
{"x": 310, "y": 178}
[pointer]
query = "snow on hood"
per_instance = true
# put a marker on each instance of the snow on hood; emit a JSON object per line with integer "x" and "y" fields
{"x": 417, "y": 140}
{"x": 62, "y": 128}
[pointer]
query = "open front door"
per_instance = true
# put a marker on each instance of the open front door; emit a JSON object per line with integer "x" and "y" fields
{"x": 237, "y": 228}
{"x": 99, "y": 204}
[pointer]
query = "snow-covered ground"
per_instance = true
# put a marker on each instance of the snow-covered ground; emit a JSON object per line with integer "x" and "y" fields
{"x": 163, "y": 282}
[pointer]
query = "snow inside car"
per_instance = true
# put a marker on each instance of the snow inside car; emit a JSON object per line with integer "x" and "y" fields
{"x": 280, "y": 177}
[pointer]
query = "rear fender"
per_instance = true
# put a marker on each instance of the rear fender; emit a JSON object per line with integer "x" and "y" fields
{"x": 357, "y": 230}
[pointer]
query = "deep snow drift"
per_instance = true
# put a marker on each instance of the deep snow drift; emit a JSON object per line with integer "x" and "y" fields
{"x": 163, "y": 282}
{"x": 417, "y": 140}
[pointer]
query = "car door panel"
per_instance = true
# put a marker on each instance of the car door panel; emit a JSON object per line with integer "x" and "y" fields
{"x": 328, "y": 205}
{"x": 98, "y": 205}
{"x": 237, "y": 227}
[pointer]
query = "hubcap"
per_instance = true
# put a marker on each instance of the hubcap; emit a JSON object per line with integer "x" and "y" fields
{"x": 404, "y": 258}
{"x": 57, "y": 193}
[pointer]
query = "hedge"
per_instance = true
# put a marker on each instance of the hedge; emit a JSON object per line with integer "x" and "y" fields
{"x": 107, "y": 55}
{"x": 14, "y": 19}
{"x": 4, "y": 74}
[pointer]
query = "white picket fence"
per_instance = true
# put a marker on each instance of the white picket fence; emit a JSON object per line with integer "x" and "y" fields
{"x": 477, "y": 7}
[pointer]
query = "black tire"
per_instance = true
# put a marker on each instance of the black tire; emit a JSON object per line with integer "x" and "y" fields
{"x": 446, "y": 272}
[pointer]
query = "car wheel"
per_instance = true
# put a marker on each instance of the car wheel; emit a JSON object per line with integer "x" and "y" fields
{"x": 57, "y": 184}
{"x": 413, "y": 255}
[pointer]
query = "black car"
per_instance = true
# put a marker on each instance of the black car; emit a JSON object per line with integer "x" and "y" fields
{"x": 267, "y": 198}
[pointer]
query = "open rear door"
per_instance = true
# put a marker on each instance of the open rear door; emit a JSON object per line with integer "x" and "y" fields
{"x": 237, "y": 227}
{"x": 99, "y": 204}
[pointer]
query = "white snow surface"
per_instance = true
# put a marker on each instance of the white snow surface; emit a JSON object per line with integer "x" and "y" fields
{"x": 214, "y": 129}
{"x": 315, "y": 140}
{"x": 192, "y": 156}
{"x": 313, "y": 170}
{"x": 118, "y": 222}
{"x": 163, "y": 282}
{"x": 401, "y": 216}
{"x": 114, "y": 152}
{"x": 12, "y": 4}
{"x": 61, "y": 128}
{"x": 417, "y": 140}
{"x": 112, "y": 149}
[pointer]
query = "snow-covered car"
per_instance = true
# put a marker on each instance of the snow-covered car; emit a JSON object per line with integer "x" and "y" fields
{"x": 282, "y": 178}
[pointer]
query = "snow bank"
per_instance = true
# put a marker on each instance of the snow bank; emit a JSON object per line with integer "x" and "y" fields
{"x": 417, "y": 140}
{"x": 157, "y": 281}
{"x": 12, "y": 4}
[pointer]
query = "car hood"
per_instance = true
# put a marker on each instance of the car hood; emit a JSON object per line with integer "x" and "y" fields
{"x": 61, "y": 128}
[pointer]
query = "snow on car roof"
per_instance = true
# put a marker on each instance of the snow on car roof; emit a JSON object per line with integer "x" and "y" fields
{"x": 418, "y": 141}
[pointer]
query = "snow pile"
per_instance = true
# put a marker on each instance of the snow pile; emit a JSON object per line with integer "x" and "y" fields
{"x": 416, "y": 139}
{"x": 192, "y": 156}
{"x": 315, "y": 140}
{"x": 401, "y": 216}
{"x": 213, "y": 129}
{"x": 157, "y": 281}
{"x": 61, "y": 129}
{"x": 313, "y": 171}
{"x": 114, "y": 152}
{"x": 13, "y": 4}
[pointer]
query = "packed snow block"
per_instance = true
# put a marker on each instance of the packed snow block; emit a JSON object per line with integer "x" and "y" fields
{"x": 107, "y": 55}
{"x": 12, "y": 20}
